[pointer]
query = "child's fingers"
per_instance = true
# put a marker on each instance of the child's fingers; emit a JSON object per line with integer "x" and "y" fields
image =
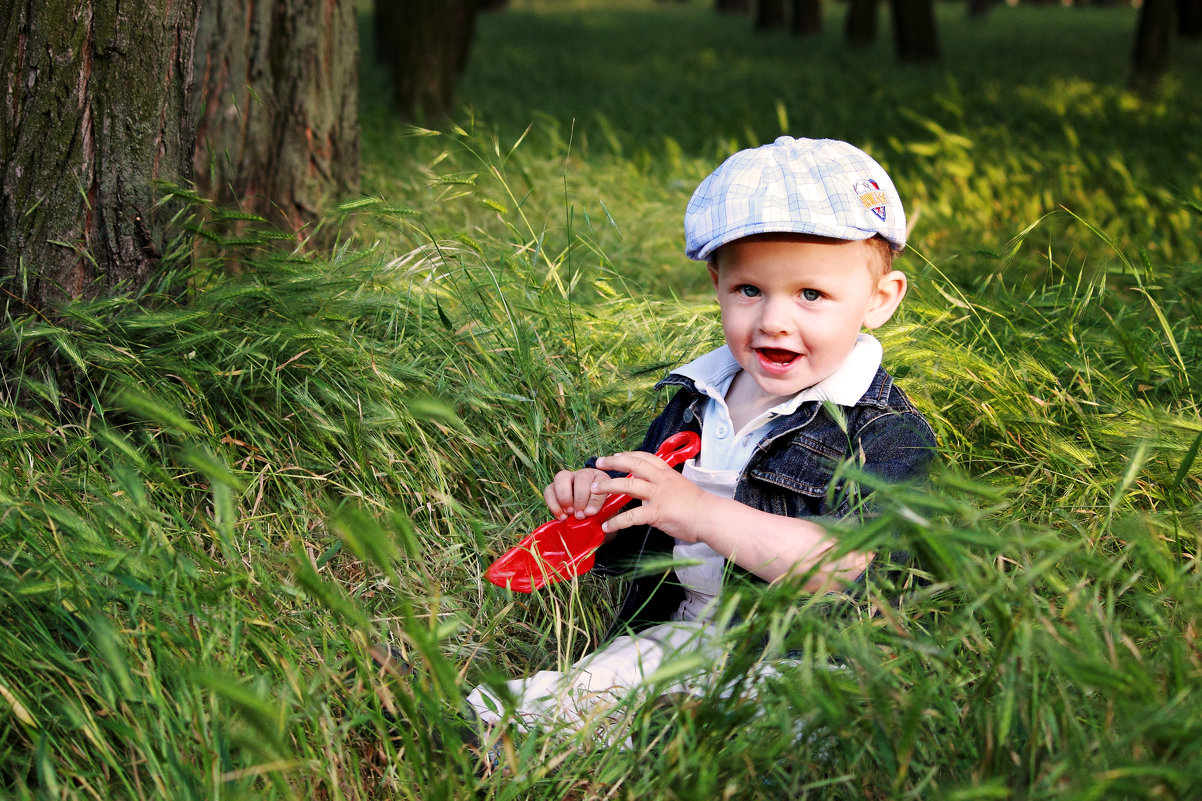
{"x": 570, "y": 492}
{"x": 553, "y": 505}
{"x": 632, "y": 517}
{"x": 646, "y": 473}
{"x": 560, "y": 493}
{"x": 585, "y": 500}
{"x": 630, "y": 485}
{"x": 636, "y": 463}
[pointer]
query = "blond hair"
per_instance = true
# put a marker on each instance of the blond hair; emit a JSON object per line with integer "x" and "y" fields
{"x": 880, "y": 262}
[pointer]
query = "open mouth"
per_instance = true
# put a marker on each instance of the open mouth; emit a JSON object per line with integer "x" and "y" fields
{"x": 777, "y": 357}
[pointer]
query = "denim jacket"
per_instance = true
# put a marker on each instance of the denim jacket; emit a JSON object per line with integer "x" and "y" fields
{"x": 790, "y": 473}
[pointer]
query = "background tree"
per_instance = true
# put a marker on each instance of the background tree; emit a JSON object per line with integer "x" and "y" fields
{"x": 769, "y": 14}
{"x": 979, "y": 8}
{"x": 424, "y": 44}
{"x": 277, "y": 106}
{"x": 96, "y": 109}
{"x": 102, "y": 103}
{"x": 914, "y": 30}
{"x": 732, "y": 6}
{"x": 1189, "y": 18}
{"x": 807, "y": 17}
{"x": 1153, "y": 43}
{"x": 859, "y": 26}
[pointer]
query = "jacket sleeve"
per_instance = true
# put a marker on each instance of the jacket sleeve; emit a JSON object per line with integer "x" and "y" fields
{"x": 896, "y": 447}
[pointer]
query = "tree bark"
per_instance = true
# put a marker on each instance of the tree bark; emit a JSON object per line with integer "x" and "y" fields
{"x": 1189, "y": 19}
{"x": 425, "y": 44}
{"x": 96, "y": 101}
{"x": 769, "y": 14}
{"x": 859, "y": 27}
{"x": 277, "y": 106}
{"x": 386, "y": 21}
{"x": 914, "y": 30}
{"x": 979, "y": 9}
{"x": 807, "y": 17}
{"x": 1153, "y": 43}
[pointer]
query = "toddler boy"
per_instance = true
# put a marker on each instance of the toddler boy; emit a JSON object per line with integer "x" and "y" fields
{"x": 799, "y": 237}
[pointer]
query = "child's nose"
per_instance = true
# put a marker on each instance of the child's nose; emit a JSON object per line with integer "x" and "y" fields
{"x": 775, "y": 318}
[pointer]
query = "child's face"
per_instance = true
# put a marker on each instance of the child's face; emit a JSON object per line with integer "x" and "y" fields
{"x": 792, "y": 306}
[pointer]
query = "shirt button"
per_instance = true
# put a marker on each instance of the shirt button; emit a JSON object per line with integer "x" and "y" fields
{"x": 721, "y": 432}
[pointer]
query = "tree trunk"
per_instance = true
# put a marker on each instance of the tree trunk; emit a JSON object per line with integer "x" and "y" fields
{"x": 386, "y": 21}
{"x": 978, "y": 9}
{"x": 96, "y": 99}
{"x": 1189, "y": 18}
{"x": 732, "y": 6}
{"x": 914, "y": 30}
{"x": 859, "y": 27}
{"x": 1153, "y": 40}
{"x": 277, "y": 106}
{"x": 769, "y": 14}
{"x": 425, "y": 43}
{"x": 807, "y": 17}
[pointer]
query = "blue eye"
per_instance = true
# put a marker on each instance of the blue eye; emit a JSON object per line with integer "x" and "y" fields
{"x": 749, "y": 291}
{"x": 811, "y": 294}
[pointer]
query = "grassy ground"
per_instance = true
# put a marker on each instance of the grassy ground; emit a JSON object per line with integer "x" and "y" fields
{"x": 254, "y": 480}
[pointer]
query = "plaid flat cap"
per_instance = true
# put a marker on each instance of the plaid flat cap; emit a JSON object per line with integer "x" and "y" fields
{"x": 822, "y": 187}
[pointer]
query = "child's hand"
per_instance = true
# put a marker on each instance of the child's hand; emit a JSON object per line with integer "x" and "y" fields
{"x": 671, "y": 503}
{"x": 570, "y": 493}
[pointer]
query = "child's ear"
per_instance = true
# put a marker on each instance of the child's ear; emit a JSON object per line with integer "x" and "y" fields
{"x": 713, "y": 267}
{"x": 888, "y": 295}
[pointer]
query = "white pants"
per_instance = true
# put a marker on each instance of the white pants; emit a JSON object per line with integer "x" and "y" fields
{"x": 670, "y": 657}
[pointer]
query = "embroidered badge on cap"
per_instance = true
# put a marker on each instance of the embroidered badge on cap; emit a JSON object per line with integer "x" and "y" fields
{"x": 870, "y": 194}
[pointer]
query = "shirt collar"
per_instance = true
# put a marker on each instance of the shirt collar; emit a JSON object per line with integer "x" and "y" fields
{"x": 714, "y": 371}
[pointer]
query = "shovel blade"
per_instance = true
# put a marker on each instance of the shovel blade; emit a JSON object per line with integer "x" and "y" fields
{"x": 555, "y": 551}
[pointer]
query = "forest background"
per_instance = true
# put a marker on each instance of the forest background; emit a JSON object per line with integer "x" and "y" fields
{"x": 220, "y": 489}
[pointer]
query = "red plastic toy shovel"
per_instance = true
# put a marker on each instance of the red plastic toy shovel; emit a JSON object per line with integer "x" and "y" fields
{"x": 561, "y": 549}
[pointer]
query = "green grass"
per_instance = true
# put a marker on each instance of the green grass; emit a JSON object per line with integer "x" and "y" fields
{"x": 256, "y": 476}
{"x": 1026, "y": 115}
